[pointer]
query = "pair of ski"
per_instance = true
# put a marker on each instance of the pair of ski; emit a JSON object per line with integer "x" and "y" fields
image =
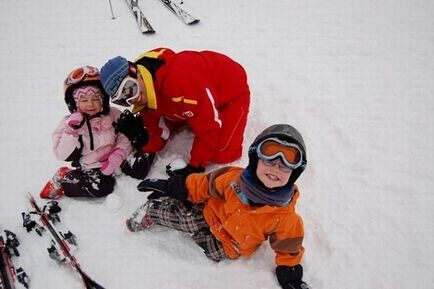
{"x": 9, "y": 276}
{"x": 145, "y": 26}
{"x": 61, "y": 243}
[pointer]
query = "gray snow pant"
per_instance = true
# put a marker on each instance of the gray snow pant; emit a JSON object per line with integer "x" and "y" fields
{"x": 188, "y": 218}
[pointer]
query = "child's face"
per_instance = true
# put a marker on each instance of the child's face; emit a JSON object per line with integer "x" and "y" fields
{"x": 89, "y": 104}
{"x": 271, "y": 174}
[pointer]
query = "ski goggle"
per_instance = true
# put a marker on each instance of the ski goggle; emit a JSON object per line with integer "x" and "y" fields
{"x": 128, "y": 92}
{"x": 272, "y": 148}
{"x": 80, "y": 73}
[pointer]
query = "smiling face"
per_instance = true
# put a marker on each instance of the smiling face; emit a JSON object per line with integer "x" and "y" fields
{"x": 270, "y": 173}
{"x": 89, "y": 104}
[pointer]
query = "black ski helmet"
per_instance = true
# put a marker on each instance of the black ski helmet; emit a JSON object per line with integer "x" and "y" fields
{"x": 82, "y": 76}
{"x": 283, "y": 132}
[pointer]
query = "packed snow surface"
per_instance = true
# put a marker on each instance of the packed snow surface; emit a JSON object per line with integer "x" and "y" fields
{"x": 355, "y": 77}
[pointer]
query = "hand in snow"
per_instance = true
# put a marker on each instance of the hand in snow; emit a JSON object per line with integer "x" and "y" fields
{"x": 174, "y": 188}
{"x": 290, "y": 277}
{"x": 296, "y": 285}
{"x": 189, "y": 169}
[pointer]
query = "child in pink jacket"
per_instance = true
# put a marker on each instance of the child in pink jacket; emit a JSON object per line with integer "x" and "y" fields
{"x": 88, "y": 140}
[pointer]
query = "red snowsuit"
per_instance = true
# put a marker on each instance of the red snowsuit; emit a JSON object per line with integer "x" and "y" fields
{"x": 207, "y": 91}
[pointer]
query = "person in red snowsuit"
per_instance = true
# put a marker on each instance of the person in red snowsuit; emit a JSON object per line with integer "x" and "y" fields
{"x": 205, "y": 90}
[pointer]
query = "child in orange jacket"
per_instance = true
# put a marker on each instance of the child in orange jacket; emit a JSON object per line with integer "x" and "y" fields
{"x": 231, "y": 211}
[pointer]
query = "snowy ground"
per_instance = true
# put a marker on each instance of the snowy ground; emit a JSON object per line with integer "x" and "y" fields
{"x": 355, "y": 77}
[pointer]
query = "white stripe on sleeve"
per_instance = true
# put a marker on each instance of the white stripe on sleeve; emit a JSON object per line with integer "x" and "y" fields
{"x": 216, "y": 114}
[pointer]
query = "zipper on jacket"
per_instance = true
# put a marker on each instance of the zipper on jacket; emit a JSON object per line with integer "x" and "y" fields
{"x": 90, "y": 134}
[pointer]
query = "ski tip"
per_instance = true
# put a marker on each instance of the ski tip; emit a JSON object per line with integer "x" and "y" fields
{"x": 148, "y": 32}
{"x": 193, "y": 22}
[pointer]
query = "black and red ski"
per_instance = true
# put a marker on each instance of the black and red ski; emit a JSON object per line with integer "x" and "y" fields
{"x": 10, "y": 278}
{"x": 61, "y": 242}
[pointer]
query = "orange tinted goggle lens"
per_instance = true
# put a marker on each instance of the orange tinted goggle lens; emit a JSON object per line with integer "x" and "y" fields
{"x": 78, "y": 74}
{"x": 270, "y": 148}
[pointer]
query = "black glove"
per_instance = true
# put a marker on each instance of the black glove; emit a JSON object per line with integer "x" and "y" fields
{"x": 189, "y": 169}
{"x": 139, "y": 165}
{"x": 132, "y": 127}
{"x": 174, "y": 188}
{"x": 296, "y": 285}
{"x": 290, "y": 277}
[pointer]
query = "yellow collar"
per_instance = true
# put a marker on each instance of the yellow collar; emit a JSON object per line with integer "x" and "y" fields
{"x": 150, "y": 90}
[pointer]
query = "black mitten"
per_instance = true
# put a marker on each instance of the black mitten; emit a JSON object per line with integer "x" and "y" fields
{"x": 296, "y": 285}
{"x": 189, "y": 169}
{"x": 290, "y": 277}
{"x": 174, "y": 187}
{"x": 132, "y": 127}
{"x": 139, "y": 165}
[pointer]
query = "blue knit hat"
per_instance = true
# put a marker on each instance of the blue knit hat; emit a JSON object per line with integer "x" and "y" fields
{"x": 112, "y": 74}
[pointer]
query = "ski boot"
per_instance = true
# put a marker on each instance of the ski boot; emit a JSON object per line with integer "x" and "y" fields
{"x": 53, "y": 188}
{"x": 22, "y": 277}
{"x": 139, "y": 220}
{"x": 54, "y": 252}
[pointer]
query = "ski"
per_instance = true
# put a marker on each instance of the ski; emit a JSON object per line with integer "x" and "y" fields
{"x": 179, "y": 12}
{"x": 61, "y": 243}
{"x": 8, "y": 274}
{"x": 144, "y": 25}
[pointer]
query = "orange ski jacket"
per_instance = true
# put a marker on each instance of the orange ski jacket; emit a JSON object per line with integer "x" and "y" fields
{"x": 242, "y": 228}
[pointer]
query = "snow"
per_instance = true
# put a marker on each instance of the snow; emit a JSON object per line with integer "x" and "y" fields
{"x": 355, "y": 77}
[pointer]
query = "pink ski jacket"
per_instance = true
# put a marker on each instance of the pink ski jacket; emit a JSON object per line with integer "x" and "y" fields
{"x": 102, "y": 137}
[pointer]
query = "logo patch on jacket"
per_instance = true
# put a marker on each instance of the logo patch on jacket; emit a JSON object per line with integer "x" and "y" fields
{"x": 188, "y": 113}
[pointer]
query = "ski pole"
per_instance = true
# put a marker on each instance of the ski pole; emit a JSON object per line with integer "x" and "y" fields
{"x": 111, "y": 9}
